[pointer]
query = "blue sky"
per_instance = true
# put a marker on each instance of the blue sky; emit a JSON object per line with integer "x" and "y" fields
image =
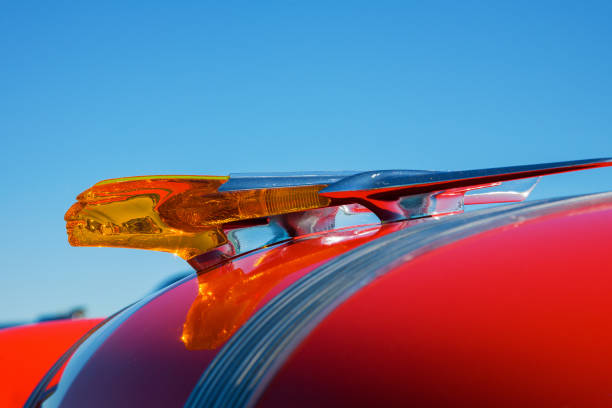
{"x": 90, "y": 91}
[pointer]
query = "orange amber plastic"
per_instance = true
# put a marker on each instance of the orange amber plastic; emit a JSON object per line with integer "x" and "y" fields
{"x": 179, "y": 214}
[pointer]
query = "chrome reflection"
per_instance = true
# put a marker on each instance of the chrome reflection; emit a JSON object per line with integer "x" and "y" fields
{"x": 250, "y": 181}
{"x": 263, "y": 232}
{"x": 513, "y": 191}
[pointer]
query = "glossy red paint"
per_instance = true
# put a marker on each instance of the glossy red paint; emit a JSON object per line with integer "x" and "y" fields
{"x": 158, "y": 354}
{"x": 27, "y": 353}
{"x": 516, "y": 316}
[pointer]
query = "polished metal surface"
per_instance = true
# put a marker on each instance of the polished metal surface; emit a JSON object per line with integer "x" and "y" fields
{"x": 405, "y": 194}
{"x": 512, "y": 191}
{"x": 269, "y": 231}
{"x": 254, "y": 181}
{"x": 385, "y": 179}
{"x": 451, "y": 201}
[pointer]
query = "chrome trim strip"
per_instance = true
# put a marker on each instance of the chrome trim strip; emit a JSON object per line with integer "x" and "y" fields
{"x": 247, "y": 363}
{"x": 382, "y": 179}
{"x": 254, "y": 181}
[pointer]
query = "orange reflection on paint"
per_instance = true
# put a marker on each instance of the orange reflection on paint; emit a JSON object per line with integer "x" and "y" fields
{"x": 230, "y": 294}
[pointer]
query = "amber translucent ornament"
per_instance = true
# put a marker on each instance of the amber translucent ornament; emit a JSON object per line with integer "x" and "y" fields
{"x": 179, "y": 214}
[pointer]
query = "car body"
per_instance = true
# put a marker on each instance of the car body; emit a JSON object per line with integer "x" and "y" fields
{"x": 422, "y": 305}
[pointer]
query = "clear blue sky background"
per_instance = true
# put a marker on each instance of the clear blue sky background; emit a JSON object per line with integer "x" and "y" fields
{"x": 94, "y": 90}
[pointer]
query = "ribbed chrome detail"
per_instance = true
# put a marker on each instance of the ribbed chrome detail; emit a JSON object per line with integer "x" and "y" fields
{"x": 246, "y": 364}
{"x": 301, "y": 198}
